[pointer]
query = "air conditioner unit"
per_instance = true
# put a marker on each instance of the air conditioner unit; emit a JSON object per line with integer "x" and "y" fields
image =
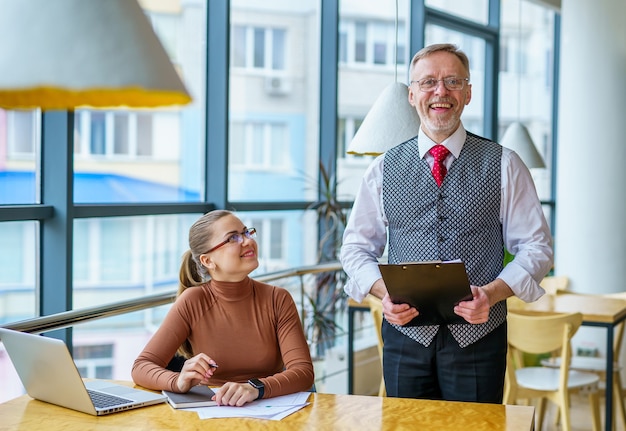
{"x": 277, "y": 86}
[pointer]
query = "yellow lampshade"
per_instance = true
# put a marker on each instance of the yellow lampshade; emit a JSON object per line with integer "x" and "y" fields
{"x": 65, "y": 54}
{"x": 389, "y": 122}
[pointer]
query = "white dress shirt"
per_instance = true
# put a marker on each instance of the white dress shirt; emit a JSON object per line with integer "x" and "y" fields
{"x": 525, "y": 230}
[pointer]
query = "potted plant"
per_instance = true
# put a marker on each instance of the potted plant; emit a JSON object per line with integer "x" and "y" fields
{"x": 326, "y": 297}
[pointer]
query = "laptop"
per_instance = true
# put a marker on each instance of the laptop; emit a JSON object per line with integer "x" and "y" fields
{"x": 49, "y": 374}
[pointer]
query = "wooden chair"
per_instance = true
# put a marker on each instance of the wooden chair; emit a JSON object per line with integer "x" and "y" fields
{"x": 553, "y": 284}
{"x": 542, "y": 333}
{"x": 376, "y": 309}
{"x": 598, "y": 365}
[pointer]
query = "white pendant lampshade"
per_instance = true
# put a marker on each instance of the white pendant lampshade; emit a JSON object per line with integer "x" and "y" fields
{"x": 518, "y": 139}
{"x": 389, "y": 122}
{"x": 64, "y": 54}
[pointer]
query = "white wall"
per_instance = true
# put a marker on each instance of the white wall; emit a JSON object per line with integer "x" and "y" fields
{"x": 590, "y": 237}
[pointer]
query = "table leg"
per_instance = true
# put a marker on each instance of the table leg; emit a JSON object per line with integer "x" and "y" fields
{"x": 608, "y": 417}
{"x": 350, "y": 350}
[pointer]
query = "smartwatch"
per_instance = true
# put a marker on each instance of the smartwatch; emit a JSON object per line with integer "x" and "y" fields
{"x": 257, "y": 384}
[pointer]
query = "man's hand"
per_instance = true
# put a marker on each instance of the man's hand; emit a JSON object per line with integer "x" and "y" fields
{"x": 399, "y": 314}
{"x": 484, "y": 297}
{"x": 476, "y": 310}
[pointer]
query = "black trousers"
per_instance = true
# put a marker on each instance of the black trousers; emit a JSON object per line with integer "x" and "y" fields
{"x": 444, "y": 370}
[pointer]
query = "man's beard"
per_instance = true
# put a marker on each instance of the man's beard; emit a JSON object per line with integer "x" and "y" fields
{"x": 441, "y": 125}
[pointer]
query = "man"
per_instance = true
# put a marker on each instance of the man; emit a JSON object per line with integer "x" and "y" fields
{"x": 485, "y": 203}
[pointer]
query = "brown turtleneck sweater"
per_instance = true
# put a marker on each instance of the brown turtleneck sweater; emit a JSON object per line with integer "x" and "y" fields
{"x": 250, "y": 329}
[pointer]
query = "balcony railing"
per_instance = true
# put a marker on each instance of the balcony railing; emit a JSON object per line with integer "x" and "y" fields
{"x": 70, "y": 318}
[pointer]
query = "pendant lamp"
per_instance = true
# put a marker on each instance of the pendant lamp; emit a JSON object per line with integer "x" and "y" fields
{"x": 518, "y": 139}
{"x": 66, "y": 54}
{"x": 391, "y": 120}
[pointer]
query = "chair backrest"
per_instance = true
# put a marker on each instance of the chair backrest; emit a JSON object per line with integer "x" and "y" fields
{"x": 376, "y": 309}
{"x": 542, "y": 333}
{"x": 536, "y": 334}
{"x": 552, "y": 284}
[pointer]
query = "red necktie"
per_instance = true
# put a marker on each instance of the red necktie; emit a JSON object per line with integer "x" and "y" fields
{"x": 439, "y": 152}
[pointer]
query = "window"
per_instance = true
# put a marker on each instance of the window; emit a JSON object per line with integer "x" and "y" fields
{"x": 258, "y": 47}
{"x": 120, "y": 137}
{"x": 371, "y": 43}
{"x": 346, "y": 129}
{"x": 259, "y": 146}
{"x": 144, "y": 134}
{"x": 152, "y": 155}
{"x": 97, "y": 132}
{"x": 526, "y": 80}
{"x": 94, "y": 361}
{"x": 512, "y": 58}
{"x": 117, "y": 257}
{"x": 19, "y": 154}
{"x": 476, "y": 10}
{"x": 18, "y": 270}
{"x": 114, "y": 134}
{"x": 360, "y": 42}
{"x": 104, "y": 251}
{"x": 270, "y": 239}
{"x": 273, "y": 101}
{"x": 369, "y": 60}
{"x": 21, "y": 131}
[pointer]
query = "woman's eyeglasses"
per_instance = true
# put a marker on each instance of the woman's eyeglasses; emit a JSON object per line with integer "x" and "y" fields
{"x": 236, "y": 238}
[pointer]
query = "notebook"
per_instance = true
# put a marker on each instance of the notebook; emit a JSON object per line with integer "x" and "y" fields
{"x": 49, "y": 374}
{"x": 198, "y": 396}
{"x": 434, "y": 288}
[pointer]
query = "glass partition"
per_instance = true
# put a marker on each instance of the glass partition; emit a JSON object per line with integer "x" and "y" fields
{"x": 273, "y": 100}
{"x": 156, "y": 155}
{"x": 118, "y": 258}
{"x": 527, "y": 79}
{"x": 18, "y": 271}
{"x": 475, "y": 10}
{"x": 19, "y": 155}
{"x": 371, "y": 57}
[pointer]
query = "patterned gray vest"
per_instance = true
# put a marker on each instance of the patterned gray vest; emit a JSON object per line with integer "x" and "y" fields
{"x": 459, "y": 220}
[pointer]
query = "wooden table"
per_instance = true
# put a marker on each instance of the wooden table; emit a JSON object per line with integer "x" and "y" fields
{"x": 597, "y": 310}
{"x": 326, "y": 412}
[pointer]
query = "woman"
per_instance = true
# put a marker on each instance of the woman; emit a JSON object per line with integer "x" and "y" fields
{"x": 234, "y": 332}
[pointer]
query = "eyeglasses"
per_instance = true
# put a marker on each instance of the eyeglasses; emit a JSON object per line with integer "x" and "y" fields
{"x": 236, "y": 238}
{"x": 451, "y": 84}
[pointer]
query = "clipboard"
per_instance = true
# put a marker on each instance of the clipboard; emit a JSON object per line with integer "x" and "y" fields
{"x": 434, "y": 288}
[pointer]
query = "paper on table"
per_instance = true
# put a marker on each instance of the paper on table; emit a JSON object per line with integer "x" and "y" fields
{"x": 275, "y": 408}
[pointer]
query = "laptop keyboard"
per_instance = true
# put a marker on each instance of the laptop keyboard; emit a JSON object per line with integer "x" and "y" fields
{"x": 101, "y": 400}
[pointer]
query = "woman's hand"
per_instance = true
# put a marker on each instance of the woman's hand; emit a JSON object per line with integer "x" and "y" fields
{"x": 236, "y": 394}
{"x": 196, "y": 371}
